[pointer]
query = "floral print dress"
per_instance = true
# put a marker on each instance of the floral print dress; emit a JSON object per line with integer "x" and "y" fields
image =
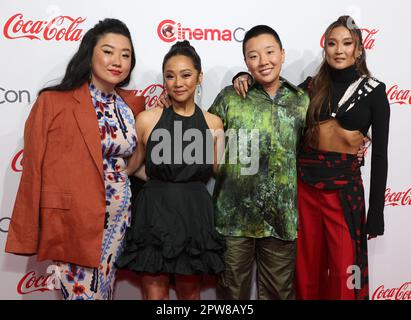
{"x": 118, "y": 141}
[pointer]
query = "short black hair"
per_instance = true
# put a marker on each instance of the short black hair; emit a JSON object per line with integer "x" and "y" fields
{"x": 259, "y": 30}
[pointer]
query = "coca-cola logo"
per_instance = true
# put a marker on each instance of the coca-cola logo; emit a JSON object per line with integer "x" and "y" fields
{"x": 58, "y": 28}
{"x": 31, "y": 282}
{"x": 17, "y": 162}
{"x": 169, "y": 31}
{"x": 152, "y": 93}
{"x": 399, "y": 96}
{"x": 368, "y": 36}
{"x": 401, "y": 293}
{"x": 395, "y": 199}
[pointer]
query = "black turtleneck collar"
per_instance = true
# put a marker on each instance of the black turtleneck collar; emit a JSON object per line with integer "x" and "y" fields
{"x": 344, "y": 75}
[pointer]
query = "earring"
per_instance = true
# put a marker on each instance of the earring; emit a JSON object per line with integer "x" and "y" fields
{"x": 199, "y": 92}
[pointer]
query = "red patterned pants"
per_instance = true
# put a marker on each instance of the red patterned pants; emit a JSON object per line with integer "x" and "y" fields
{"x": 325, "y": 250}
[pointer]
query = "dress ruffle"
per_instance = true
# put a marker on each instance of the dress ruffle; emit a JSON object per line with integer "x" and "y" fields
{"x": 153, "y": 250}
{"x": 173, "y": 231}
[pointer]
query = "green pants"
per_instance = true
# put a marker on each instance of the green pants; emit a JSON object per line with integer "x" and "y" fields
{"x": 274, "y": 259}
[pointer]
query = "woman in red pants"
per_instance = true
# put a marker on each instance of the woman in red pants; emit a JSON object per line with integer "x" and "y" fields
{"x": 345, "y": 102}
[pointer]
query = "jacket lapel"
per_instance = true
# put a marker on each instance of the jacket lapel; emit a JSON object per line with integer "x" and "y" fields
{"x": 87, "y": 121}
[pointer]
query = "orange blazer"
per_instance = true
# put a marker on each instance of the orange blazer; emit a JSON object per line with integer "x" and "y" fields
{"x": 61, "y": 201}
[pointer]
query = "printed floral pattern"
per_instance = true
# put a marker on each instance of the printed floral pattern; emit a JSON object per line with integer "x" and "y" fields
{"x": 118, "y": 142}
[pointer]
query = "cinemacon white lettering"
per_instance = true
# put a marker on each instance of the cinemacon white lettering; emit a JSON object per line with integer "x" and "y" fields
{"x": 401, "y": 293}
{"x": 12, "y": 96}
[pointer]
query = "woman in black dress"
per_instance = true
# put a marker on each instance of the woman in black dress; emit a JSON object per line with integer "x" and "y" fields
{"x": 172, "y": 231}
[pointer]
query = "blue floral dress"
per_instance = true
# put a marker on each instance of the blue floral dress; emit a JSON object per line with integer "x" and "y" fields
{"x": 118, "y": 141}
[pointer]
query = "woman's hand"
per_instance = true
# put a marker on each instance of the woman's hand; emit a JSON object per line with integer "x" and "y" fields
{"x": 163, "y": 101}
{"x": 242, "y": 84}
{"x": 363, "y": 149}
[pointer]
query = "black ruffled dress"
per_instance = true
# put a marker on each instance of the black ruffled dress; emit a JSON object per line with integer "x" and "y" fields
{"x": 172, "y": 228}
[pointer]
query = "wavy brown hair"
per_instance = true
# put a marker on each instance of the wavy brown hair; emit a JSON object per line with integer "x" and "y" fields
{"x": 320, "y": 88}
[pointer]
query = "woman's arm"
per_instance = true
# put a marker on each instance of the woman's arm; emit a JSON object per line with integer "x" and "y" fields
{"x": 242, "y": 81}
{"x": 23, "y": 235}
{"x": 216, "y": 125}
{"x": 379, "y": 163}
{"x": 136, "y": 160}
{"x": 141, "y": 173}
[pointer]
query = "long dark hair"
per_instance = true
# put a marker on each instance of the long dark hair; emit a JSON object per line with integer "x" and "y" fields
{"x": 320, "y": 88}
{"x": 78, "y": 70}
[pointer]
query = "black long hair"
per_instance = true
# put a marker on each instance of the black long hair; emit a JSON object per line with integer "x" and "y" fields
{"x": 78, "y": 70}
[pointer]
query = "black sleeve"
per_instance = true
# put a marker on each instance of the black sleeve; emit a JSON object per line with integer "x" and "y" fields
{"x": 380, "y": 109}
{"x": 306, "y": 84}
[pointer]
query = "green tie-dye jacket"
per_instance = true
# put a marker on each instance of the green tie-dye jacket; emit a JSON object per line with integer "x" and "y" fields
{"x": 263, "y": 204}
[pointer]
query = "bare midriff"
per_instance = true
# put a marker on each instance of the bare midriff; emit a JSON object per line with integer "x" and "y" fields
{"x": 333, "y": 137}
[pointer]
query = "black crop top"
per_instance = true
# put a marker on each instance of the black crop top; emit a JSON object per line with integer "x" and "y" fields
{"x": 368, "y": 109}
{"x": 360, "y": 116}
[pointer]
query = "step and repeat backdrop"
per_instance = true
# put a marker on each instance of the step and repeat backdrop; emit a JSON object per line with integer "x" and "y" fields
{"x": 37, "y": 38}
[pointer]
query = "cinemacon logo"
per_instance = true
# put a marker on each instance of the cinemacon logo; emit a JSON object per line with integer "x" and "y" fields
{"x": 170, "y": 31}
{"x": 14, "y": 96}
{"x": 395, "y": 199}
{"x": 396, "y": 95}
{"x": 60, "y": 28}
{"x": 368, "y": 36}
{"x": 402, "y": 292}
{"x": 4, "y": 224}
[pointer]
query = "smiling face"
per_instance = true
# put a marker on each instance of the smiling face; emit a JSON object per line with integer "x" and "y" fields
{"x": 264, "y": 59}
{"x": 341, "y": 49}
{"x": 181, "y": 79}
{"x": 111, "y": 61}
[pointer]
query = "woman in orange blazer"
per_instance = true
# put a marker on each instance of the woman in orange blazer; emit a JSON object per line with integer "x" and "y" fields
{"x": 73, "y": 202}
